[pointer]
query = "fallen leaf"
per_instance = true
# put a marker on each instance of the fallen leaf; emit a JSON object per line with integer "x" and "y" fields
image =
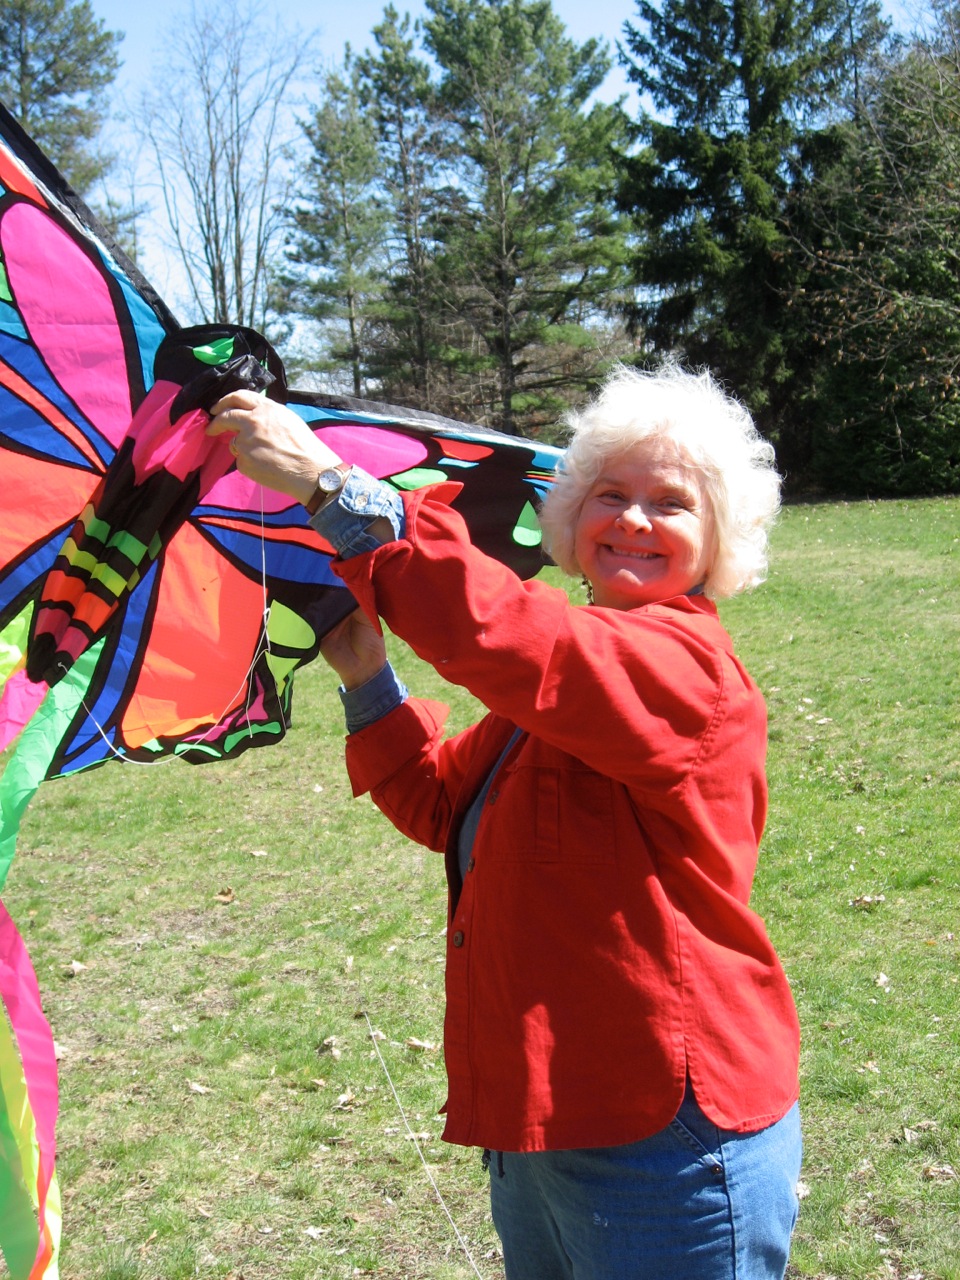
{"x": 75, "y": 967}
{"x": 866, "y": 901}
{"x": 198, "y": 1088}
{"x": 939, "y": 1172}
{"x": 345, "y": 1101}
{"x": 259, "y": 853}
{"x": 225, "y": 895}
{"x": 422, "y": 1046}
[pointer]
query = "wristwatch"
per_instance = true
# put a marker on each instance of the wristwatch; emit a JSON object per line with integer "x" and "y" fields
{"x": 329, "y": 482}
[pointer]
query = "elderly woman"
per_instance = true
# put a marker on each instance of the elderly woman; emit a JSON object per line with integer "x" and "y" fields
{"x": 619, "y": 1032}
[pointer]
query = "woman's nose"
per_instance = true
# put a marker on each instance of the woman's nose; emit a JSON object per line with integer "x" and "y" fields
{"x": 633, "y": 517}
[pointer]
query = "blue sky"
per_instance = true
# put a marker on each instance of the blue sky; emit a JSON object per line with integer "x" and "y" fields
{"x": 339, "y": 21}
{"x": 335, "y": 23}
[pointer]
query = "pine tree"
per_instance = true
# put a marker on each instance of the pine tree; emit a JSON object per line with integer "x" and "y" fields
{"x": 745, "y": 97}
{"x": 398, "y": 94}
{"x": 882, "y": 293}
{"x": 336, "y": 246}
{"x": 56, "y": 62}
{"x": 530, "y": 249}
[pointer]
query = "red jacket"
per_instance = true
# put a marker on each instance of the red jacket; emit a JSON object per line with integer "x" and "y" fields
{"x": 601, "y": 946}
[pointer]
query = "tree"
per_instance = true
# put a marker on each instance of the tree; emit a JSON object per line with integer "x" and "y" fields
{"x": 219, "y": 139}
{"x": 56, "y": 62}
{"x": 530, "y": 251}
{"x": 746, "y": 98}
{"x": 338, "y": 225}
{"x": 397, "y": 90}
{"x": 882, "y": 292}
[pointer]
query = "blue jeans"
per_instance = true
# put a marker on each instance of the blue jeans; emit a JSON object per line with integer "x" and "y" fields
{"x": 692, "y": 1202}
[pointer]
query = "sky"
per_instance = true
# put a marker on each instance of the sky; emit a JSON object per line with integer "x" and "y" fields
{"x": 336, "y": 22}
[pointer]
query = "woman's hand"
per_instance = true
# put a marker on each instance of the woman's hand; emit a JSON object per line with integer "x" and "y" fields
{"x": 273, "y": 446}
{"x": 355, "y": 649}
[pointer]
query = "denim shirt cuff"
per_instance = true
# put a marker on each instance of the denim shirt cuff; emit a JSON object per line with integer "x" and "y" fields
{"x": 374, "y": 699}
{"x": 344, "y": 521}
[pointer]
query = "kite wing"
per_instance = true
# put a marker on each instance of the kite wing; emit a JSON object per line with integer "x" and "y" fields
{"x": 176, "y": 566}
{"x": 153, "y": 601}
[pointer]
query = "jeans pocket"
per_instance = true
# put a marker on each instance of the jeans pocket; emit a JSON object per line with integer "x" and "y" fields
{"x": 696, "y": 1132}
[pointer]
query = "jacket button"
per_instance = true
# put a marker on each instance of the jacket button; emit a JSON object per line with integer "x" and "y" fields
{"x": 458, "y": 938}
{"x": 492, "y": 798}
{"x": 471, "y": 864}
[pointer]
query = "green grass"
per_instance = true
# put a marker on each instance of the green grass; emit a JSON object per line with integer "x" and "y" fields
{"x": 224, "y": 1112}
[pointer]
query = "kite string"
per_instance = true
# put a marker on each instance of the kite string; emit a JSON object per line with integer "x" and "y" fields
{"x": 263, "y": 646}
{"x": 416, "y": 1142}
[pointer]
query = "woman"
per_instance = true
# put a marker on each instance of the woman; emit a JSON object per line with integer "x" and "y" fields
{"x": 619, "y": 1032}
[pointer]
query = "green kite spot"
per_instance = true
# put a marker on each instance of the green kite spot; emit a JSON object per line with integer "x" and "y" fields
{"x": 215, "y": 352}
{"x": 289, "y": 629}
{"x": 527, "y": 532}
{"x": 418, "y": 478}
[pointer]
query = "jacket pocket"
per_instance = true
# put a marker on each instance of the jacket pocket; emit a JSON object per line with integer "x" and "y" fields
{"x": 553, "y": 810}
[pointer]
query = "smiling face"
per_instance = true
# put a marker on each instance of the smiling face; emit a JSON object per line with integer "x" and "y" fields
{"x": 645, "y": 531}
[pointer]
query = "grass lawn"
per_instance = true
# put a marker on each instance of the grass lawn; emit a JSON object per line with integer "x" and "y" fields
{"x": 227, "y": 953}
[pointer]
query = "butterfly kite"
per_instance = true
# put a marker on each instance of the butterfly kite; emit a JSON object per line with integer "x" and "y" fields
{"x": 153, "y": 601}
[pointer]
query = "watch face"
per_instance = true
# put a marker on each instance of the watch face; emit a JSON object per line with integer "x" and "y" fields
{"x": 330, "y": 480}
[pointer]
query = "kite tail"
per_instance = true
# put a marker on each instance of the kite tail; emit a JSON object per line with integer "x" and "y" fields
{"x": 29, "y": 1193}
{"x": 19, "y": 700}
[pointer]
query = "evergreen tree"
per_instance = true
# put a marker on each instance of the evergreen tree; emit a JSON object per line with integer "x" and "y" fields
{"x": 56, "y": 62}
{"x": 882, "y": 293}
{"x": 396, "y": 88}
{"x": 339, "y": 224}
{"x": 530, "y": 250}
{"x": 745, "y": 99}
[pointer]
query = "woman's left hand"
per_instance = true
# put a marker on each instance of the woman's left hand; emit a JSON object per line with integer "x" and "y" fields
{"x": 355, "y": 649}
{"x": 272, "y": 444}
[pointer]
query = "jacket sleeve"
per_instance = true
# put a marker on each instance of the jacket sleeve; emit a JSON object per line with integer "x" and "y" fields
{"x": 413, "y": 774}
{"x": 633, "y": 694}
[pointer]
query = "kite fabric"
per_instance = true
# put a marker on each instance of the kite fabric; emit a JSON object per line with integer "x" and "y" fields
{"x": 154, "y": 601}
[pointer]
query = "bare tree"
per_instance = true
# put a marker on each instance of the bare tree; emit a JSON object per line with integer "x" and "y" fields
{"x": 218, "y": 125}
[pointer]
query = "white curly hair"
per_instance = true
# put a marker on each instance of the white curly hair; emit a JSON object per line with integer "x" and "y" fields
{"x": 716, "y": 436}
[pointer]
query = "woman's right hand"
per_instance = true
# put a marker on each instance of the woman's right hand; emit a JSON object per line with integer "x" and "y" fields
{"x": 355, "y": 649}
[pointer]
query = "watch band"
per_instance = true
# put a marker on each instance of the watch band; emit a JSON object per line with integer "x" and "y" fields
{"x": 329, "y": 483}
